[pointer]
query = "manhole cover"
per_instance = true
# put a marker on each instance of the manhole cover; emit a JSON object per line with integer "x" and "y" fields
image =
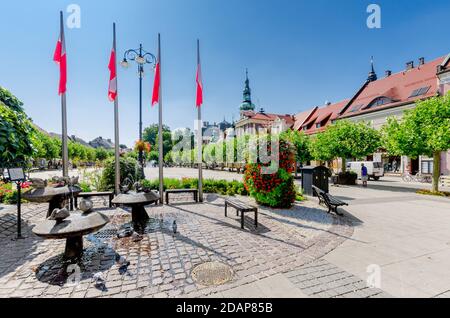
{"x": 212, "y": 274}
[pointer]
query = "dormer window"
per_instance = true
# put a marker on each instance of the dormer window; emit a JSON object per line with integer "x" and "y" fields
{"x": 305, "y": 128}
{"x": 318, "y": 125}
{"x": 380, "y": 101}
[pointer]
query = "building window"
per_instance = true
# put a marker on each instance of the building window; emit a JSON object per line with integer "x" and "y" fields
{"x": 380, "y": 102}
{"x": 318, "y": 125}
{"x": 419, "y": 92}
{"x": 427, "y": 167}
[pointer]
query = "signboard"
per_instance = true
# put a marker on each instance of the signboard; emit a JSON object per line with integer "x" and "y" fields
{"x": 16, "y": 174}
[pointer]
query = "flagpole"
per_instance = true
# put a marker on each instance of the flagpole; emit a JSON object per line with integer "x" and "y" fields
{"x": 160, "y": 130}
{"x": 116, "y": 121}
{"x": 200, "y": 139}
{"x": 65, "y": 155}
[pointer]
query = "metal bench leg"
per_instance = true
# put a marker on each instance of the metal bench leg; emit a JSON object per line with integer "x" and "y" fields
{"x": 167, "y": 198}
{"x": 256, "y": 218}
{"x": 242, "y": 220}
{"x": 111, "y": 196}
{"x": 226, "y": 210}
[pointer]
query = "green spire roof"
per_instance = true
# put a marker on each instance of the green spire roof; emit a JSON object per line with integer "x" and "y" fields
{"x": 247, "y": 103}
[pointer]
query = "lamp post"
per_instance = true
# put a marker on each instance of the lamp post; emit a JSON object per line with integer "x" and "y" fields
{"x": 141, "y": 57}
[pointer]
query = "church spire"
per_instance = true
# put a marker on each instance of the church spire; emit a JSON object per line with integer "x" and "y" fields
{"x": 247, "y": 103}
{"x": 372, "y": 75}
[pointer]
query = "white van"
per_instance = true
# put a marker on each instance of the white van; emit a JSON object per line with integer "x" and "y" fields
{"x": 375, "y": 170}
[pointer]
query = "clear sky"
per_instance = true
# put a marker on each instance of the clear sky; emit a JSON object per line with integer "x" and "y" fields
{"x": 299, "y": 54}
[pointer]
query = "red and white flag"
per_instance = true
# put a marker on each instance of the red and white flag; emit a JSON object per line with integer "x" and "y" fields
{"x": 199, "y": 100}
{"x": 60, "y": 58}
{"x": 156, "y": 84}
{"x": 112, "y": 90}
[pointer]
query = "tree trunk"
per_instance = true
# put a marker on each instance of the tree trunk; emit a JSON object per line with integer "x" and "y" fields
{"x": 344, "y": 165}
{"x": 436, "y": 171}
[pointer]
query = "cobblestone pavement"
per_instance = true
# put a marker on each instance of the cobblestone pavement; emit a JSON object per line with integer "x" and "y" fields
{"x": 161, "y": 263}
{"x": 322, "y": 279}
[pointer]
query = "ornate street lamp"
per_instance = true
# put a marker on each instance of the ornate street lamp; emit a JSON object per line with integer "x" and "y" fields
{"x": 141, "y": 57}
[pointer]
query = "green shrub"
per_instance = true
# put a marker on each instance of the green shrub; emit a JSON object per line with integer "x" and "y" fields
{"x": 85, "y": 187}
{"x": 222, "y": 187}
{"x": 128, "y": 169}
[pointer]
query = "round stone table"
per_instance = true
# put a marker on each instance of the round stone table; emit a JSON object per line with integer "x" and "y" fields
{"x": 72, "y": 229}
{"x": 55, "y": 197}
{"x": 137, "y": 203}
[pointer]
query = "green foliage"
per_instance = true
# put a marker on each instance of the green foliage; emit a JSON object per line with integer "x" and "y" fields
{"x": 222, "y": 187}
{"x": 151, "y": 136}
{"x": 424, "y": 130}
{"x": 345, "y": 139}
{"x": 128, "y": 169}
{"x": 102, "y": 154}
{"x": 16, "y": 132}
{"x": 10, "y": 100}
{"x": 85, "y": 187}
{"x": 301, "y": 142}
{"x": 46, "y": 147}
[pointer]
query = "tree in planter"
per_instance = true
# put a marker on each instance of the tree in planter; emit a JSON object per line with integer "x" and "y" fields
{"x": 301, "y": 143}
{"x": 345, "y": 139}
{"x": 424, "y": 130}
{"x": 276, "y": 190}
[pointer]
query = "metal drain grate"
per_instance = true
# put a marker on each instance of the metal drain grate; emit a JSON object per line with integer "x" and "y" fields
{"x": 212, "y": 274}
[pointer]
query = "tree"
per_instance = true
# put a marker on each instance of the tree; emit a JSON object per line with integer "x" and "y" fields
{"x": 345, "y": 139}
{"x": 10, "y": 100}
{"x": 16, "y": 132}
{"x": 301, "y": 143}
{"x": 424, "y": 130}
{"x": 46, "y": 147}
{"x": 151, "y": 133}
{"x": 101, "y": 154}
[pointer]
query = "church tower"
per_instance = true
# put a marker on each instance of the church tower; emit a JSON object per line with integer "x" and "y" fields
{"x": 247, "y": 103}
{"x": 372, "y": 75}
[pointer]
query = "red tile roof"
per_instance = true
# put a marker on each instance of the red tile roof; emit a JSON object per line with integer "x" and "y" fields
{"x": 301, "y": 118}
{"x": 324, "y": 116}
{"x": 395, "y": 90}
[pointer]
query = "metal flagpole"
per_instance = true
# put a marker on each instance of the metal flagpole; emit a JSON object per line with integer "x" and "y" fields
{"x": 160, "y": 130}
{"x": 116, "y": 120}
{"x": 65, "y": 155}
{"x": 200, "y": 139}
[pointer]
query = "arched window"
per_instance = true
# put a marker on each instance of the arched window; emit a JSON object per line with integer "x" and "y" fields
{"x": 379, "y": 101}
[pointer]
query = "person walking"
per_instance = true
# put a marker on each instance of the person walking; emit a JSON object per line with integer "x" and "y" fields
{"x": 364, "y": 175}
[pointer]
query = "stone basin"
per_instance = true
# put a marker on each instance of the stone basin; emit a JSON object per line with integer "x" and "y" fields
{"x": 137, "y": 201}
{"x": 72, "y": 229}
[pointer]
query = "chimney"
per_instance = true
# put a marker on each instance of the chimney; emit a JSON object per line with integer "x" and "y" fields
{"x": 410, "y": 65}
{"x": 388, "y": 73}
{"x": 421, "y": 61}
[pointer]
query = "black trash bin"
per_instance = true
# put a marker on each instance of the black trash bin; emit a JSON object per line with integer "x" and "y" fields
{"x": 315, "y": 176}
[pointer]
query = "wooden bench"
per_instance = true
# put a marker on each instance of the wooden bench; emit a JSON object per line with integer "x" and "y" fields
{"x": 108, "y": 194}
{"x": 241, "y": 207}
{"x": 327, "y": 199}
{"x": 178, "y": 191}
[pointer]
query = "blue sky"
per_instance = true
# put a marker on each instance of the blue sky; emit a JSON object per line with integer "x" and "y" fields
{"x": 299, "y": 54}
